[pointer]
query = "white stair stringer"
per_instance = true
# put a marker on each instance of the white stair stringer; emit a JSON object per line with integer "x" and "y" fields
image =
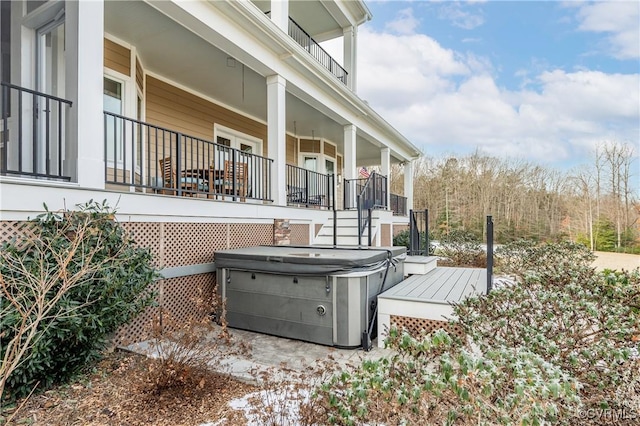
{"x": 347, "y": 229}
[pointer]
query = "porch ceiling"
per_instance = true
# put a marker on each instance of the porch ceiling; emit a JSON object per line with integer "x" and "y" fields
{"x": 169, "y": 50}
{"x": 313, "y": 16}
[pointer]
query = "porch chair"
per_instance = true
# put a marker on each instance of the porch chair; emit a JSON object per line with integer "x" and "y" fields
{"x": 236, "y": 173}
{"x": 189, "y": 183}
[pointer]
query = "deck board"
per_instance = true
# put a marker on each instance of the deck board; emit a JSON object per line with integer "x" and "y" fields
{"x": 441, "y": 284}
{"x": 429, "y": 296}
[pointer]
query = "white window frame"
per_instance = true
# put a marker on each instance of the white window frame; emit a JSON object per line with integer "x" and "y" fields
{"x": 234, "y": 136}
{"x": 130, "y": 94}
{"x": 321, "y": 157}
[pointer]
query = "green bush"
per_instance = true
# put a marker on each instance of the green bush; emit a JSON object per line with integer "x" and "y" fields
{"x": 68, "y": 282}
{"x": 462, "y": 248}
{"x": 433, "y": 380}
{"x": 401, "y": 239}
{"x": 565, "y": 312}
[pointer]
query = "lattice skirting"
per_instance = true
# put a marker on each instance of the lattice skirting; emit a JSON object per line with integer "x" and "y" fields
{"x": 299, "y": 234}
{"x": 417, "y": 326}
{"x": 179, "y": 299}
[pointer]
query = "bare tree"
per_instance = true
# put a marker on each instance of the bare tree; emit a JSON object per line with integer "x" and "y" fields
{"x": 618, "y": 158}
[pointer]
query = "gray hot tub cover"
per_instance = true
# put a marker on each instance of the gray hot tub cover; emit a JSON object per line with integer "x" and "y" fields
{"x": 305, "y": 260}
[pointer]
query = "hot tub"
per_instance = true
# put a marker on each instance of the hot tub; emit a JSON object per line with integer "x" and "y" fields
{"x": 321, "y": 295}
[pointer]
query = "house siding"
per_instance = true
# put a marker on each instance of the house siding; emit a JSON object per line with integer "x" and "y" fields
{"x": 139, "y": 74}
{"x": 310, "y": 145}
{"x": 173, "y": 108}
{"x": 117, "y": 57}
{"x": 292, "y": 150}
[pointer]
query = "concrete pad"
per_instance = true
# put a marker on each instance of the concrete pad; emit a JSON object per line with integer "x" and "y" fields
{"x": 275, "y": 353}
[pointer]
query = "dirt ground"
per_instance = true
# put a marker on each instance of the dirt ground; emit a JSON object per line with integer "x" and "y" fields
{"x": 114, "y": 395}
{"x": 616, "y": 261}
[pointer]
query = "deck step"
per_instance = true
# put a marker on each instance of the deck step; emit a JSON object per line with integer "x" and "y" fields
{"x": 429, "y": 296}
{"x": 420, "y": 265}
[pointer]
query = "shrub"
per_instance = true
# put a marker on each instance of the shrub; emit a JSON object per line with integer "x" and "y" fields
{"x": 462, "y": 248}
{"x": 523, "y": 257}
{"x": 401, "y": 239}
{"x": 434, "y": 378}
{"x": 563, "y": 311}
{"x": 184, "y": 350}
{"x": 66, "y": 283}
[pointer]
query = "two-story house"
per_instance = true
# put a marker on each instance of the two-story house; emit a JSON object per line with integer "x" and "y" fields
{"x": 202, "y": 121}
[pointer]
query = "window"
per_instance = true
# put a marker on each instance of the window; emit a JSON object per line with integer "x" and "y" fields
{"x": 113, "y": 102}
{"x": 241, "y": 148}
{"x": 50, "y": 79}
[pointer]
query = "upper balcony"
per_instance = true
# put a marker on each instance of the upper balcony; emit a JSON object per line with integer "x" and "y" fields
{"x": 310, "y": 45}
{"x": 305, "y": 40}
{"x": 312, "y": 22}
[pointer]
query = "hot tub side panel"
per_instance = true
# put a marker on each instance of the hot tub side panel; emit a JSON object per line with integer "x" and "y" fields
{"x": 282, "y": 305}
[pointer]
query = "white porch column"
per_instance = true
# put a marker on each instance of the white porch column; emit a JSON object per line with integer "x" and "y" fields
{"x": 385, "y": 169}
{"x": 84, "y": 80}
{"x": 350, "y": 152}
{"x": 280, "y": 14}
{"x": 276, "y": 136}
{"x": 408, "y": 184}
{"x": 350, "y": 47}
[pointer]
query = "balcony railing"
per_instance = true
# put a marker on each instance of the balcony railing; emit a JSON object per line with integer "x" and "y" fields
{"x": 32, "y": 133}
{"x": 310, "y": 189}
{"x": 150, "y": 158}
{"x": 398, "y": 204}
{"x": 310, "y": 45}
{"x": 305, "y": 40}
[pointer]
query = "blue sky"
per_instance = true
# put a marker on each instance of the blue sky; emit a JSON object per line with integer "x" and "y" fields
{"x": 541, "y": 81}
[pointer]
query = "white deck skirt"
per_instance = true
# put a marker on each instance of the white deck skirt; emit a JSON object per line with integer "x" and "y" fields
{"x": 429, "y": 296}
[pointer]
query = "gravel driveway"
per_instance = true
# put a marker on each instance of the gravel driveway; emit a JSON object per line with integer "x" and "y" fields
{"x": 616, "y": 261}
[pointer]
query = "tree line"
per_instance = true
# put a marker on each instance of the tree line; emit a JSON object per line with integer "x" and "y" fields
{"x": 595, "y": 204}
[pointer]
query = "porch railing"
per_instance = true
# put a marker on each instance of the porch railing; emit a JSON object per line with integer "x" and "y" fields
{"x": 310, "y": 189}
{"x": 398, "y": 204}
{"x": 151, "y": 158}
{"x": 32, "y": 133}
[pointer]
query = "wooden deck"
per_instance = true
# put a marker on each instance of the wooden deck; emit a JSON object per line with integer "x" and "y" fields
{"x": 442, "y": 285}
{"x": 428, "y": 297}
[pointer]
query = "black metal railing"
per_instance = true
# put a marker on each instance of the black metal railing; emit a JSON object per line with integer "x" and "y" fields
{"x": 310, "y": 189}
{"x": 419, "y": 233}
{"x": 375, "y": 196}
{"x": 32, "y": 133}
{"x": 489, "y": 253}
{"x": 398, "y": 204}
{"x": 365, "y": 195}
{"x": 310, "y": 45}
{"x": 151, "y": 158}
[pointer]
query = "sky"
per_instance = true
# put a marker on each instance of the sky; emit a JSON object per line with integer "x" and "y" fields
{"x": 541, "y": 81}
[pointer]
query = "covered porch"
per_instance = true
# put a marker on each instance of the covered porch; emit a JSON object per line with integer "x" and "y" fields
{"x": 220, "y": 119}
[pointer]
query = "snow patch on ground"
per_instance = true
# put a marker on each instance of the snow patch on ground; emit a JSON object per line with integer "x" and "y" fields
{"x": 285, "y": 403}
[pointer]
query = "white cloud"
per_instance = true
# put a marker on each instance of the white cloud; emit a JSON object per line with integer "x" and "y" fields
{"x": 403, "y": 23}
{"x": 459, "y": 16}
{"x": 620, "y": 20}
{"x": 443, "y": 100}
{"x": 406, "y": 68}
